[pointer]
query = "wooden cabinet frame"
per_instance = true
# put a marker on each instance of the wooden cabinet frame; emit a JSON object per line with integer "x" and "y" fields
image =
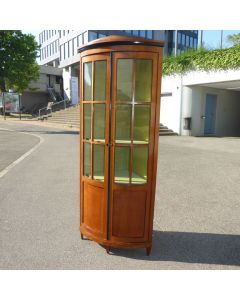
{"x": 115, "y": 214}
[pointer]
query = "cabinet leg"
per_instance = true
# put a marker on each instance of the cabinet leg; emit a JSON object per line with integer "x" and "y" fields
{"x": 108, "y": 249}
{"x": 148, "y": 250}
{"x": 81, "y": 236}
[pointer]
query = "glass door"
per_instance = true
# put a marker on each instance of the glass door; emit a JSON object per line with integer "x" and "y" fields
{"x": 95, "y": 95}
{"x": 133, "y": 111}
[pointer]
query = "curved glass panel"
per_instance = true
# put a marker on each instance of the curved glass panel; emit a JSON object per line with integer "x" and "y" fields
{"x": 122, "y": 165}
{"x": 141, "y": 124}
{"x": 143, "y": 77}
{"x": 123, "y": 123}
{"x": 98, "y": 162}
{"x": 87, "y": 121}
{"x": 100, "y": 75}
{"x": 124, "y": 79}
{"x": 140, "y": 163}
{"x": 99, "y": 122}
{"x": 87, "y": 81}
{"x": 87, "y": 160}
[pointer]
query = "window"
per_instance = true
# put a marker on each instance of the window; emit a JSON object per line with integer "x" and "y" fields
{"x": 183, "y": 39}
{"x": 46, "y": 34}
{"x": 74, "y": 46}
{"x": 179, "y": 38}
{"x": 149, "y": 34}
{"x": 100, "y": 35}
{"x": 61, "y": 52}
{"x": 49, "y": 33}
{"x": 187, "y": 41}
{"x": 142, "y": 33}
{"x": 50, "y": 50}
{"x": 60, "y": 33}
{"x": 173, "y": 36}
{"x": 63, "y": 32}
{"x": 191, "y": 42}
{"x": 85, "y": 37}
{"x": 195, "y": 43}
{"x": 70, "y": 48}
{"x": 128, "y": 31}
{"x": 92, "y": 36}
{"x": 135, "y": 32}
{"x": 65, "y": 51}
{"x": 79, "y": 40}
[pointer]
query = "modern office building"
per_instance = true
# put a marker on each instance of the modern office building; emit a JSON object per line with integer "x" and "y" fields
{"x": 59, "y": 49}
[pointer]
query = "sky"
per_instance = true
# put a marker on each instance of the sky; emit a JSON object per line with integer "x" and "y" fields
{"x": 212, "y": 38}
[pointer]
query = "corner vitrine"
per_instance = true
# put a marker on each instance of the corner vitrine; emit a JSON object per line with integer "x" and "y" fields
{"x": 119, "y": 106}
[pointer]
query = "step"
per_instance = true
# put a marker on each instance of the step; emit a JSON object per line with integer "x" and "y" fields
{"x": 168, "y": 133}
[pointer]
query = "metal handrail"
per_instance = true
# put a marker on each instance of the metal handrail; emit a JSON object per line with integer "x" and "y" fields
{"x": 49, "y": 110}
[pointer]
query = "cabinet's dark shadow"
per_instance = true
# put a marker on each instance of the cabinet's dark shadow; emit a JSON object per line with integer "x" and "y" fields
{"x": 202, "y": 248}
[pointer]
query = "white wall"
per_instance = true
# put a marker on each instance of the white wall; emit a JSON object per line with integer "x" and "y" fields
{"x": 170, "y": 109}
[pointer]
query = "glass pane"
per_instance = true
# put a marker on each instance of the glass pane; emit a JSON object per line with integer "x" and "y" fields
{"x": 143, "y": 86}
{"x": 100, "y": 80}
{"x": 87, "y": 121}
{"x": 98, "y": 162}
{"x": 140, "y": 162}
{"x": 123, "y": 123}
{"x": 122, "y": 159}
{"x": 87, "y": 160}
{"x": 99, "y": 122}
{"x": 141, "y": 124}
{"x": 87, "y": 81}
{"x": 124, "y": 79}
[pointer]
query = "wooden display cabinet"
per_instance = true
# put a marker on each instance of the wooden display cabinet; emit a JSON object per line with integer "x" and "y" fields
{"x": 120, "y": 107}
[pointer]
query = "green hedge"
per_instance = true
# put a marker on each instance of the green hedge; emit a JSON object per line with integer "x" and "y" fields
{"x": 220, "y": 59}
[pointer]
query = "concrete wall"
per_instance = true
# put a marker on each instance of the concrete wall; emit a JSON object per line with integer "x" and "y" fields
{"x": 33, "y": 100}
{"x": 170, "y": 109}
{"x": 227, "y": 111}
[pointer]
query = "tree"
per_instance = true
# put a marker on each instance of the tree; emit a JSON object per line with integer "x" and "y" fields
{"x": 234, "y": 39}
{"x": 18, "y": 66}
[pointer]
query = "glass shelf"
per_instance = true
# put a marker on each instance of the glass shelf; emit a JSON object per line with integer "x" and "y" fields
{"x": 123, "y": 177}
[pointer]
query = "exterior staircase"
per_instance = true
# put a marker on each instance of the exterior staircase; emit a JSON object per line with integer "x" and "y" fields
{"x": 164, "y": 131}
{"x": 68, "y": 117}
{"x": 71, "y": 117}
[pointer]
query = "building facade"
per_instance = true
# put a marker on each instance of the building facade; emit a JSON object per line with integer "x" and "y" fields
{"x": 59, "y": 49}
{"x": 202, "y": 103}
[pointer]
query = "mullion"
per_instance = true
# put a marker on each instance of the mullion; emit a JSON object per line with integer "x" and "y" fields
{"x": 92, "y": 120}
{"x": 132, "y": 121}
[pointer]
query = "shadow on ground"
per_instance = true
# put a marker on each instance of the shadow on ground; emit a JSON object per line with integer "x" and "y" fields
{"x": 51, "y": 132}
{"x": 189, "y": 247}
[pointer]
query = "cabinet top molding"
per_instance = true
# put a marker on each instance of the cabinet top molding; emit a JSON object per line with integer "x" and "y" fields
{"x": 115, "y": 40}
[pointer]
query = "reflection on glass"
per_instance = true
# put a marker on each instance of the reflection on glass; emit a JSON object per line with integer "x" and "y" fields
{"x": 143, "y": 85}
{"x": 123, "y": 123}
{"x": 87, "y": 160}
{"x": 122, "y": 159}
{"x": 98, "y": 162}
{"x": 140, "y": 161}
{"x": 141, "y": 123}
{"x": 100, "y": 80}
{"x": 87, "y": 81}
{"x": 99, "y": 122}
{"x": 124, "y": 79}
{"x": 87, "y": 121}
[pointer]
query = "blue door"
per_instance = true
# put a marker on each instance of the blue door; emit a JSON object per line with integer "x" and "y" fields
{"x": 210, "y": 114}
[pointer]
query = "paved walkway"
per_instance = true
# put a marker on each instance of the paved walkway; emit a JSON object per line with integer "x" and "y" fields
{"x": 196, "y": 226}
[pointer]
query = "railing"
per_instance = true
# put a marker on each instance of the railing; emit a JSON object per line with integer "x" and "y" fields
{"x": 46, "y": 112}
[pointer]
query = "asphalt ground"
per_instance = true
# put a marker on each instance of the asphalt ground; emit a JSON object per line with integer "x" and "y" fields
{"x": 197, "y": 211}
